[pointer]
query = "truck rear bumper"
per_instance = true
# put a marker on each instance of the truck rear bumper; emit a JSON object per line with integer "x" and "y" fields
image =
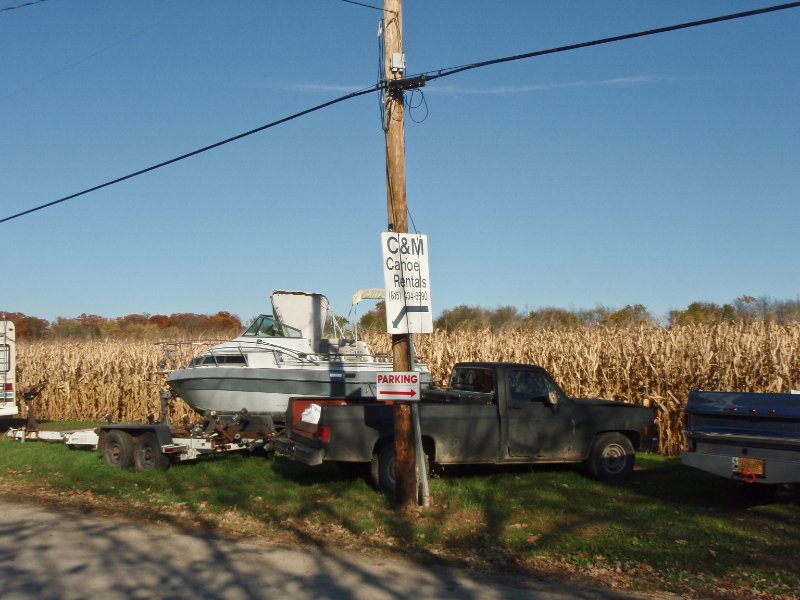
{"x": 299, "y": 452}
{"x": 775, "y": 471}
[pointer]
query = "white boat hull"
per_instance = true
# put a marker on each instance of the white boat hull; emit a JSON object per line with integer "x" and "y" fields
{"x": 282, "y": 356}
{"x": 227, "y": 390}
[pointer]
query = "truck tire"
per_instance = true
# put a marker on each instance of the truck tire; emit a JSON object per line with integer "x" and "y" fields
{"x": 118, "y": 450}
{"x": 148, "y": 455}
{"x": 383, "y": 469}
{"x": 612, "y": 457}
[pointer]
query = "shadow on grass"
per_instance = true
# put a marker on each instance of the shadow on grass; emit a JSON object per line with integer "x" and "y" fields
{"x": 321, "y": 474}
{"x": 675, "y": 520}
{"x": 667, "y": 480}
{"x": 666, "y": 519}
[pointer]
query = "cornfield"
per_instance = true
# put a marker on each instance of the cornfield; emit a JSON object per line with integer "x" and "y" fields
{"x": 89, "y": 380}
{"x": 649, "y": 366}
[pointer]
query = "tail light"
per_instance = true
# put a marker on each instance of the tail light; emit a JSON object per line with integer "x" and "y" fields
{"x": 9, "y": 387}
{"x": 324, "y": 433}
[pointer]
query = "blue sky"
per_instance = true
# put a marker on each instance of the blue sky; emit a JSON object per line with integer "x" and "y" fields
{"x": 657, "y": 171}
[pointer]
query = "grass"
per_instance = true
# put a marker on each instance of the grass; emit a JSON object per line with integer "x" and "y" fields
{"x": 668, "y": 528}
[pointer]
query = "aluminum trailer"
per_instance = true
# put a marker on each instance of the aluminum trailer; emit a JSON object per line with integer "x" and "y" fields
{"x": 154, "y": 445}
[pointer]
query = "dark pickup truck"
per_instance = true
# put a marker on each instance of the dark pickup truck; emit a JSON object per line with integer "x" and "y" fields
{"x": 745, "y": 437}
{"x": 491, "y": 413}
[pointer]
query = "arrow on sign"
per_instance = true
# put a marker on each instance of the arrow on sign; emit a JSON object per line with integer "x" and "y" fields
{"x": 410, "y": 393}
{"x": 408, "y": 309}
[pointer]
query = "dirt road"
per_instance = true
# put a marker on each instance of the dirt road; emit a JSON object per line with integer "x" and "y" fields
{"x": 48, "y": 554}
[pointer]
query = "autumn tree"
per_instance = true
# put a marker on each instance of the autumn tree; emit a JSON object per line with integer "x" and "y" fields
{"x": 702, "y": 313}
{"x": 632, "y": 315}
{"x": 553, "y": 318}
{"x": 374, "y": 319}
{"x": 31, "y": 328}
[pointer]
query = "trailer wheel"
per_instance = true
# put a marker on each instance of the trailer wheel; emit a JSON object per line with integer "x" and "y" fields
{"x": 118, "y": 450}
{"x": 148, "y": 455}
{"x": 612, "y": 457}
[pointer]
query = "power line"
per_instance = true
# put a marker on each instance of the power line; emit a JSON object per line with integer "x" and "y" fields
{"x": 195, "y": 152}
{"x": 366, "y": 5}
{"x": 430, "y": 75}
{"x": 31, "y": 3}
{"x": 97, "y": 52}
{"x": 421, "y": 78}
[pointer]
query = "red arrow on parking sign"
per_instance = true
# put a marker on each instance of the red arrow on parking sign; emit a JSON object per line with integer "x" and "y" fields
{"x": 400, "y": 385}
{"x": 410, "y": 393}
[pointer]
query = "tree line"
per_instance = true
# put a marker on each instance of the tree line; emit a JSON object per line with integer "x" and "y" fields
{"x": 144, "y": 326}
{"x": 744, "y": 308}
{"x": 225, "y": 324}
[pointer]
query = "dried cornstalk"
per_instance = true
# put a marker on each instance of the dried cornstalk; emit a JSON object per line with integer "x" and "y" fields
{"x": 647, "y": 366}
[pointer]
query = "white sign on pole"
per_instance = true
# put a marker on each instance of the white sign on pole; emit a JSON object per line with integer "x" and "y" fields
{"x": 399, "y": 385}
{"x": 407, "y": 283}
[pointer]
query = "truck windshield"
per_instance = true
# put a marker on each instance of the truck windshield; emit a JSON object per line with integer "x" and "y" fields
{"x": 472, "y": 379}
{"x": 267, "y": 326}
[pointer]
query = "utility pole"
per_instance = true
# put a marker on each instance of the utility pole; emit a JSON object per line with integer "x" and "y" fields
{"x": 405, "y": 471}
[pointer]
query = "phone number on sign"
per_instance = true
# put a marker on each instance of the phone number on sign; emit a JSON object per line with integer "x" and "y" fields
{"x": 409, "y": 296}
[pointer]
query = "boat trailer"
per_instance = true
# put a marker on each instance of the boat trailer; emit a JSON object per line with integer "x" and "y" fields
{"x": 156, "y": 444}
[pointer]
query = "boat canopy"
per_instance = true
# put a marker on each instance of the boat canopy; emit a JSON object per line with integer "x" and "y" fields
{"x": 305, "y": 311}
{"x": 368, "y": 294}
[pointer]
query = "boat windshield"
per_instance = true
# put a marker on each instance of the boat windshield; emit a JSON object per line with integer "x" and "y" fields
{"x": 267, "y": 326}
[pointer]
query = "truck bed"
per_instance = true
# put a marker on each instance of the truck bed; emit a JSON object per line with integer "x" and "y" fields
{"x": 744, "y": 436}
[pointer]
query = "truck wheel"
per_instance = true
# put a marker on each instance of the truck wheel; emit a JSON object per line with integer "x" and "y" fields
{"x": 612, "y": 457}
{"x": 148, "y": 455}
{"x": 383, "y": 469}
{"x": 118, "y": 450}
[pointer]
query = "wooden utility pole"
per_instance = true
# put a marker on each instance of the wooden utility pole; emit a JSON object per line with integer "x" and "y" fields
{"x": 406, "y": 493}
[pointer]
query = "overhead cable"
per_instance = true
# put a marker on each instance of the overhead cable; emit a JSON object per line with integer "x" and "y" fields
{"x": 429, "y": 75}
{"x": 31, "y": 3}
{"x": 366, "y": 5}
{"x": 96, "y": 52}
{"x": 195, "y": 152}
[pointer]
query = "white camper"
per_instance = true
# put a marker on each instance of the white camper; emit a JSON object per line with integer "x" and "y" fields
{"x": 8, "y": 367}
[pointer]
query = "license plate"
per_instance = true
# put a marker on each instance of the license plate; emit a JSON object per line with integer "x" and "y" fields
{"x": 749, "y": 465}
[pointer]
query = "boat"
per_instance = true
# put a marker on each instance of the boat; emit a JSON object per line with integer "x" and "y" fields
{"x": 283, "y": 355}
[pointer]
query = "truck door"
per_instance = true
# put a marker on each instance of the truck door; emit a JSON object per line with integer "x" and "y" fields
{"x": 540, "y": 419}
{"x": 8, "y": 365}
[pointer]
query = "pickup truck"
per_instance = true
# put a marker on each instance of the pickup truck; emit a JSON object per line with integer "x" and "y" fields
{"x": 492, "y": 412}
{"x": 746, "y": 437}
